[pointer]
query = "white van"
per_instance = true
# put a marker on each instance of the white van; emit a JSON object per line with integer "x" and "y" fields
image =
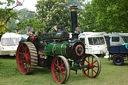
{"x": 9, "y": 43}
{"x": 95, "y": 42}
{"x": 117, "y": 39}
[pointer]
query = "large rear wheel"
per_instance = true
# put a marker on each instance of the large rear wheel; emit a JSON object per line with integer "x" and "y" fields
{"x": 93, "y": 66}
{"x": 26, "y": 57}
{"x": 60, "y": 69}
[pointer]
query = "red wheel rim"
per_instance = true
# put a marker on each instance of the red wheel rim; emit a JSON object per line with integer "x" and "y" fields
{"x": 118, "y": 60}
{"x": 23, "y": 58}
{"x": 94, "y": 67}
{"x": 60, "y": 70}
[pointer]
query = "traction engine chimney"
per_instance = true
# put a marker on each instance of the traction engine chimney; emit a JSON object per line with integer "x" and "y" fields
{"x": 73, "y": 10}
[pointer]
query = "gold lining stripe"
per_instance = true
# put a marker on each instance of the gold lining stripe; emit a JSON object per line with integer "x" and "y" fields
{"x": 61, "y": 48}
{"x": 65, "y": 51}
{"x": 73, "y": 9}
{"x": 53, "y": 49}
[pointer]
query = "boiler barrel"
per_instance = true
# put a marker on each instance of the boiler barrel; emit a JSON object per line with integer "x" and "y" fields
{"x": 56, "y": 49}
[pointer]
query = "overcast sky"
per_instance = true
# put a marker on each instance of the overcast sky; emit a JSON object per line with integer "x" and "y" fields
{"x": 29, "y": 4}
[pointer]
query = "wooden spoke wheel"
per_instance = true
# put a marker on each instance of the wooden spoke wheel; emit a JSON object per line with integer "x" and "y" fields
{"x": 26, "y": 57}
{"x": 93, "y": 66}
{"x": 60, "y": 69}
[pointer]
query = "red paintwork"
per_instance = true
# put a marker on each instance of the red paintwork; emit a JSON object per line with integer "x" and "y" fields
{"x": 32, "y": 38}
{"x": 89, "y": 72}
{"x": 60, "y": 75}
{"x": 23, "y": 58}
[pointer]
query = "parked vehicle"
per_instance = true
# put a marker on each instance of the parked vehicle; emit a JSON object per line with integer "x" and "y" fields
{"x": 94, "y": 42}
{"x": 118, "y": 47}
{"x": 9, "y": 43}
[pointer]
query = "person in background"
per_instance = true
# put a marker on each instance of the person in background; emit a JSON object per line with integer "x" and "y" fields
{"x": 78, "y": 30}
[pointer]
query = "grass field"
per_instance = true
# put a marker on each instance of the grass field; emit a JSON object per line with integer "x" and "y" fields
{"x": 110, "y": 75}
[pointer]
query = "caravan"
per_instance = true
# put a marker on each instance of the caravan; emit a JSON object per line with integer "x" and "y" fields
{"x": 94, "y": 42}
{"x": 9, "y": 43}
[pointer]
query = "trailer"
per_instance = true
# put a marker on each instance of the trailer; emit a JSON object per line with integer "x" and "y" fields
{"x": 9, "y": 43}
{"x": 118, "y": 54}
{"x": 118, "y": 47}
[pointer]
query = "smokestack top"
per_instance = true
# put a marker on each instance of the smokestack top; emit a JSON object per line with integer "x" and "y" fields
{"x": 73, "y": 8}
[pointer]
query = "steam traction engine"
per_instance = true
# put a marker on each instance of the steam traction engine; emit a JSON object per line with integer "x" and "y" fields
{"x": 58, "y": 52}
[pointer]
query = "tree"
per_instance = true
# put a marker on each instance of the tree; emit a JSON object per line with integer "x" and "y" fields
{"x": 5, "y": 15}
{"x": 33, "y": 23}
{"x": 87, "y": 21}
{"x": 111, "y": 15}
{"x": 25, "y": 14}
{"x": 55, "y": 12}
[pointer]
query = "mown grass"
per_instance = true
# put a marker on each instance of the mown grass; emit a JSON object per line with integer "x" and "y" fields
{"x": 110, "y": 75}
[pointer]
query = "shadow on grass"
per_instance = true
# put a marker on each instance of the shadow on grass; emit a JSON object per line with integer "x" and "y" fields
{"x": 7, "y": 57}
{"x": 112, "y": 64}
{"x": 42, "y": 70}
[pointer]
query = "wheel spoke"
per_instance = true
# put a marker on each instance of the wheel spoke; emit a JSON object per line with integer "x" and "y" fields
{"x": 86, "y": 61}
{"x": 94, "y": 71}
{"x": 88, "y": 71}
{"x": 23, "y": 47}
{"x": 21, "y": 53}
{"x": 21, "y": 61}
{"x": 95, "y": 66}
{"x": 62, "y": 63}
{"x": 94, "y": 61}
{"x": 63, "y": 76}
{"x": 92, "y": 58}
{"x": 28, "y": 62}
{"x": 57, "y": 62}
{"x": 59, "y": 77}
{"x": 56, "y": 65}
{"x": 63, "y": 73}
{"x": 85, "y": 70}
{"x": 28, "y": 53}
{"x": 58, "y": 74}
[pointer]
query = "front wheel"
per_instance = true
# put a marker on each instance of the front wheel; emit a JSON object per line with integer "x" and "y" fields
{"x": 60, "y": 69}
{"x": 93, "y": 66}
{"x": 118, "y": 60}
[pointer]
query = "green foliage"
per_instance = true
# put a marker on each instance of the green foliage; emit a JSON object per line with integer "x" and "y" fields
{"x": 109, "y": 16}
{"x": 5, "y": 15}
{"x": 33, "y": 23}
{"x": 53, "y": 13}
{"x": 87, "y": 21}
{"x": 25, "y": 14}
